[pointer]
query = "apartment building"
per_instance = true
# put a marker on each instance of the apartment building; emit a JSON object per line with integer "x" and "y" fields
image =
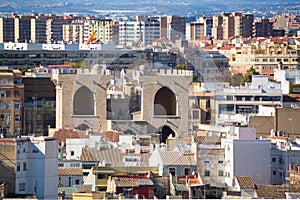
{"x": 290, "y": 23}
{"x": 199, "y": 29}
{"x": 265, "y": 55}
{"x": 39, "y": 102}
{"x": 264, "y": 28}
{"x": 29, "y": 166}
{"x": 257, "y": 164}
{"x": 136, "y": 33}
{"x": 209, "y": 66}
{"x": 106, "y": 30}
{"x": 74, "y": 32}
{"x": 235, "y": 104}
{"x": 227, "y": 25}
{"x": 289, "y": 79}
{"x": 172, "y": 27}
{"x": 23, "y": 28}
{"x": 11, "y": 103}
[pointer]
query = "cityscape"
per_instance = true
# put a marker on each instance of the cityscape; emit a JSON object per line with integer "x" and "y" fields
{"x": 149, "y": 100}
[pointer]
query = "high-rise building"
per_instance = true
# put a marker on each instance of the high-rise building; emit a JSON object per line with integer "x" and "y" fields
{"x": 8, "y": 30}
{"x": 141, "y": 32}
{"x": 73, "y": 33}
{"x": 199, "y": 29}
{"x": 172, "y": 27}
{"x": 263, "y": 28}
{"x": 106, "y": 30}
{"x": 23, "y": 29}
{"x": 226, "y": 25}
{"x": 11, "y": 103}
{"x": 54, "y": 29}
{"x": 39, "y": 102}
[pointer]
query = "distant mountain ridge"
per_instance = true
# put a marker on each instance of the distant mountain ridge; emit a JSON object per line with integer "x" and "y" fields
{"x": 149, "y": 7}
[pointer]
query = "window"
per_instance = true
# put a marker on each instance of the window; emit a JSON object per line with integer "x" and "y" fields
{"x": 207, "y": 173}
{"x": 274, "y": 173}
{"x": 24, "y": 166}
{"x": 17, "y": 106}
{"x": 72, "y": 153}
{"x": 220, "y": 161}
{"x": 7, "y": 93}
{"x": 77, "y": 182}
{"x": 220, "y": 173}
{"x": 196, "y": 114}
{"x": 4, "y": 81}
{"x": 60, "y": 164}
{"x": 186, "y": 171}
{"x": 229, "y": 98}
{"x": 2, "y": 94}
{"x": 102, "y": 176}
{"x": 238, "y": 98}
{"x": 172, "y": 171}
{"x": 273, "y": 159}
{"x": 247, "y": 98}
{"x": 17, "y": 93}
{"x": 206, "y": 160}
{"x": 18, "y": 167}
{"x": 21, "y": 187}
{"x": 70, "y": 179}
{"x": 75, "y": 165}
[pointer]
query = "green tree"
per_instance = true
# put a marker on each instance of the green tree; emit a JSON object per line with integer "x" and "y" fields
{"x": 75, "y": 65}
{"x": 24, "y": 69}
{"x": 235, "y": 80}
{"x": 179, "y": 67}
{"x": 248, "y": 75}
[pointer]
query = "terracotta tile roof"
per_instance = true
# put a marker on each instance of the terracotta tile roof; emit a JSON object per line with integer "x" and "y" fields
{"x": 125, "y": 182}
{"x": 66, "y": 133}
{"x": 70, "y": 172}
{"x": 275, "y": 191}
{"x": 112, "y": 136}
{"x": 226, "y": 48}
{"x": 245, "y": 182}
{"x": 132, "y": 181}
{"x": 112, "y": 157}
{"x": 193, "y": 181}
{"x": 171, "y": 158}
{"x": 209, "y": 47}
{"x": 207, "y": 139}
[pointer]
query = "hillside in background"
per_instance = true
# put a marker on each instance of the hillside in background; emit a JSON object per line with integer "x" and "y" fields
{"x": 148, "y": 7}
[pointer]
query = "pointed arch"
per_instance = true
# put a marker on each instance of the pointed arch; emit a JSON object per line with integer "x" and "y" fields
{"x": 83, "y": 102}
{"x": 164, "y": 132}
{"x": 165, "y": 102}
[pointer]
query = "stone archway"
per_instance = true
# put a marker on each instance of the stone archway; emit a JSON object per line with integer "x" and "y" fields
{"x": 83, "y": 102}
{"x": 165, "y": 102}
{"x": 164, "y": 133}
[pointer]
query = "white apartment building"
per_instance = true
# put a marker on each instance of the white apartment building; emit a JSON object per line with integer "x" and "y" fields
{"x": 235, "y": 104}
{"x": 138, "y": 33}
{"x": 287, "y": 78}
{"x": 247, "y": 157}
{"x": 34, "y": 161}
